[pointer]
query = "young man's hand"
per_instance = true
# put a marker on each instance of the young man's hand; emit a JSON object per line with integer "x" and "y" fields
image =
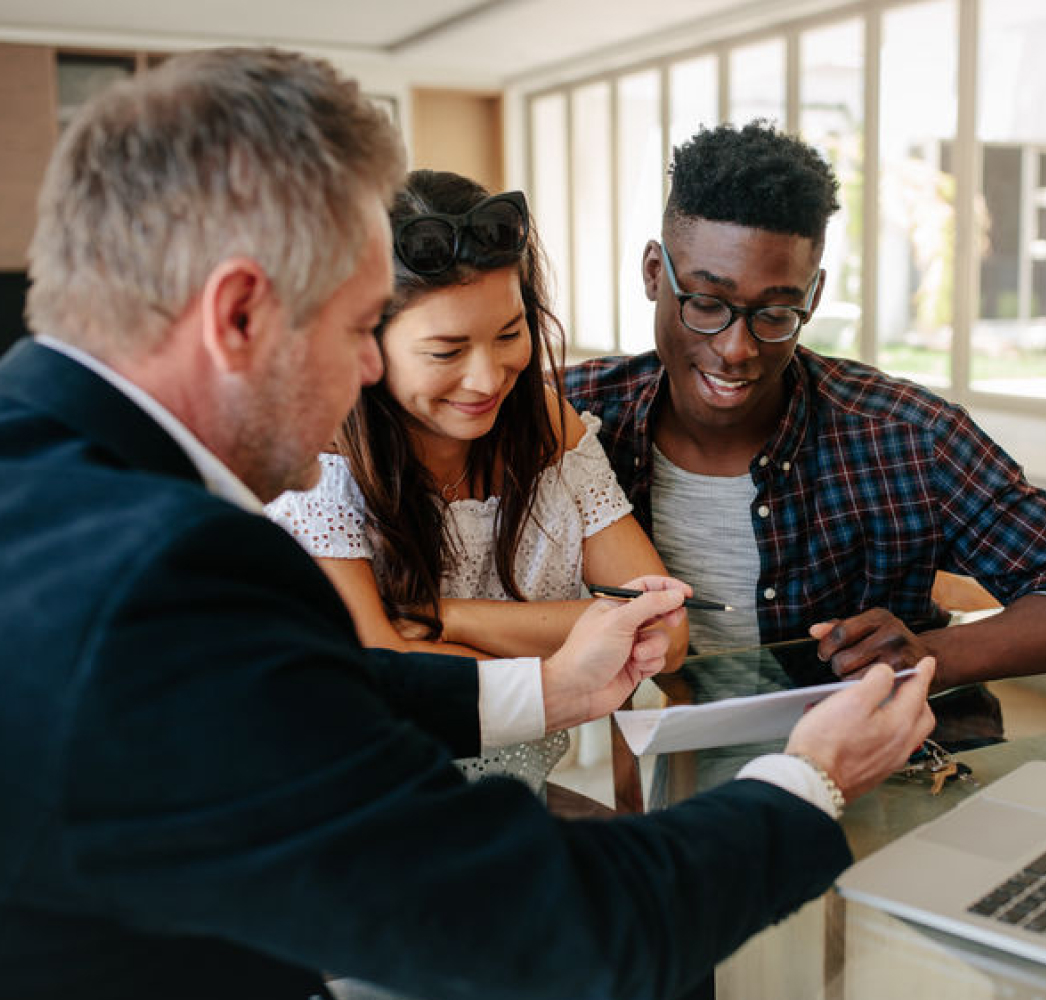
{"x": 852, "y": 645}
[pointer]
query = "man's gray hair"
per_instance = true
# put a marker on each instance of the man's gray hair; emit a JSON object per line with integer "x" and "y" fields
{"x": 214, "y": 154}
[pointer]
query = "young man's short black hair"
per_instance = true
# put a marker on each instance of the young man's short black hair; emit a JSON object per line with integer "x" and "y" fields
{"x": 754, "y": 176}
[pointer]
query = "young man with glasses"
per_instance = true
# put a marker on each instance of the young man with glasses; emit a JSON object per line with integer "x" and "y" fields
{"x": 803, "y": 490}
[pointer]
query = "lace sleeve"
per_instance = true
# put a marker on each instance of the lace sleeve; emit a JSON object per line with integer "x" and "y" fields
{"x": 327, "y": 520}
{"x": 587, "y": 472}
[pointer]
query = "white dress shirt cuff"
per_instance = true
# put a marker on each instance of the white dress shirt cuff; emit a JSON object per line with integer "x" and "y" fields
{"x": 793, "y": 775}
{"x": 511, "y": 703}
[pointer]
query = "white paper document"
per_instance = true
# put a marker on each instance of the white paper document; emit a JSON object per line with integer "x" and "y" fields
{"x": 751, "y": 719}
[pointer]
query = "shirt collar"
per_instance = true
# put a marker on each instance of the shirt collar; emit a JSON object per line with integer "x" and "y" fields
{"x": 646, "y": 399}
{"x": 216, "y": 475}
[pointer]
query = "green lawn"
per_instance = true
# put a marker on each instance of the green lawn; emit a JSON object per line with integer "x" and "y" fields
{"x": 1027, "y": 370}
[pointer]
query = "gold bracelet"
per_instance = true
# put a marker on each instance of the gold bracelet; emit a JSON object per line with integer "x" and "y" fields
{"x": 835, "y": 794}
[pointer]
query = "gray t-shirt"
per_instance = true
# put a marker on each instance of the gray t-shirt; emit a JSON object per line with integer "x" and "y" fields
{"x": 703, "y": 532}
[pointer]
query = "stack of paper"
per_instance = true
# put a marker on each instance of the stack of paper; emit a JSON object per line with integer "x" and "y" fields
{"x": 752, "y": 719}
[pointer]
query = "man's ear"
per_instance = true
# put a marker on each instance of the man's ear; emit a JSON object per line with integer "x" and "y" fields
{"x": 651, "y": 269}
{"x": 817, "y": 295}
{"x": 237, "y": 302}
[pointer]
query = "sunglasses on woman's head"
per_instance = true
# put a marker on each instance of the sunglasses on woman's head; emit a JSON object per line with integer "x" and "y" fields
{"x": 491, "y": 233}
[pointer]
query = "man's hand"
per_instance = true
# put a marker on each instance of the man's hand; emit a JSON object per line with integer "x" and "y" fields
{"x": 611, "y": 648}
{"x": 862, "y": 734}
{"x": 1007, "y": 644}
{"x": 852, "y": 645}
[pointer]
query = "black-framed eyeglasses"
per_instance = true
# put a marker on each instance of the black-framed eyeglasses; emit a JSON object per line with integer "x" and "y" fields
{"x": 709, "y": 314}
{"x": 489, "y": 234}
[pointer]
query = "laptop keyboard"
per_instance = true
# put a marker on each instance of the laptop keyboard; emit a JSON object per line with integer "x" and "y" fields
{"x": 1020, "y": 900}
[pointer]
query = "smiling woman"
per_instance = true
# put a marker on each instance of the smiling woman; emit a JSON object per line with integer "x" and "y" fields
{"x": 469, "y": 504}
{"x": 452, "y": 360}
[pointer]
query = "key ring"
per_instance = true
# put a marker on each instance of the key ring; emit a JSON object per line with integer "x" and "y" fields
{"x": 931, "y": 761}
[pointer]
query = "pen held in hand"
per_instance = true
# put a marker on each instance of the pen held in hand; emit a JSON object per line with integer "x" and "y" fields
{"x": 623, "y": 594}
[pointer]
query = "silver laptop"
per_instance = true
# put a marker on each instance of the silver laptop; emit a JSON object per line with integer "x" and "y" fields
{"x": 978, "y": 871}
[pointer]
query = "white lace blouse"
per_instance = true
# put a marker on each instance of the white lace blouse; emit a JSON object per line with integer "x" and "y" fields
{"x": 575, "y": 499}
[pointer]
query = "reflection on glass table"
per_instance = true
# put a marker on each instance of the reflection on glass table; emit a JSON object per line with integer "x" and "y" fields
{"x": 835, "y": 948}
{"x": 967, "y": 717}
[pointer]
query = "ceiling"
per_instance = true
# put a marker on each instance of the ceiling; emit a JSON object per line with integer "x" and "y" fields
{"x": 497, "y": 41}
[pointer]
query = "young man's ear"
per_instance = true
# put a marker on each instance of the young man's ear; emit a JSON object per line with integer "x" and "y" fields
{"x": 237, "y": 302}
{"x": 652, "y": 266}
{"x": 817, "y": 295}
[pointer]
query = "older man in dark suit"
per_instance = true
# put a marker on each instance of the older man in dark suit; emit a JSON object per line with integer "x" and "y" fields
{"x": 209, "y": 790}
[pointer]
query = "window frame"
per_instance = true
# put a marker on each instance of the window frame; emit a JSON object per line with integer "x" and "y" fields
{"x": 966, "y": 171}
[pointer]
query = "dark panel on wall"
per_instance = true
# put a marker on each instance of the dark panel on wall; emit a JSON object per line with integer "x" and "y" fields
{"x": 13, "y": 286}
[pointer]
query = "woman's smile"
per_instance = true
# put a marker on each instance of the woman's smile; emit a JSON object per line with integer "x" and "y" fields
{"x": 477, "y": 408}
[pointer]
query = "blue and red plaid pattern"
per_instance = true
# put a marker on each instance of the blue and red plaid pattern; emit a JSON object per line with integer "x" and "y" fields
{"x": 872, "y": 484}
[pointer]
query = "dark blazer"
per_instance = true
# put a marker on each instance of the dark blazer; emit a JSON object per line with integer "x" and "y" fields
{"x": 209, "y": 790}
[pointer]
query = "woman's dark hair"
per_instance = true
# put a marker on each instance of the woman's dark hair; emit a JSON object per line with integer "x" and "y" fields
{"x": 405, "y": 524}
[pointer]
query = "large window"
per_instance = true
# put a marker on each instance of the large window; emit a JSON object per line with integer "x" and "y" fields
{"x": 592, "y": 214}
{"x": 638, "y": 200}
{"x": 919, "y": 88}
{"x": 550, "y": 194}
{"x": 831, "y": 117}
{"x": 930, "y": 112}
{"x": 694, "y": 96}
{"x": 757, "y": 82}
{"x": 1008, "y": 345}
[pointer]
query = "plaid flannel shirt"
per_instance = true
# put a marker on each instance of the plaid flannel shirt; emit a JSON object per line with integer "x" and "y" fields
{"x": 869, "y": 486}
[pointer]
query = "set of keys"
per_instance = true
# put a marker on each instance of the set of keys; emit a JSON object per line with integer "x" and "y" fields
{"x": 932, "y": 761}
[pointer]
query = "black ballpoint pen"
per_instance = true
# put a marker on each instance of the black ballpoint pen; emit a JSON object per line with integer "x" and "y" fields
{"x": 623, "y": 594}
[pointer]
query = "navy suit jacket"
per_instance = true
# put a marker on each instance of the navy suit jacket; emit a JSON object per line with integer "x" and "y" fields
{"x": 208, "y": 789}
